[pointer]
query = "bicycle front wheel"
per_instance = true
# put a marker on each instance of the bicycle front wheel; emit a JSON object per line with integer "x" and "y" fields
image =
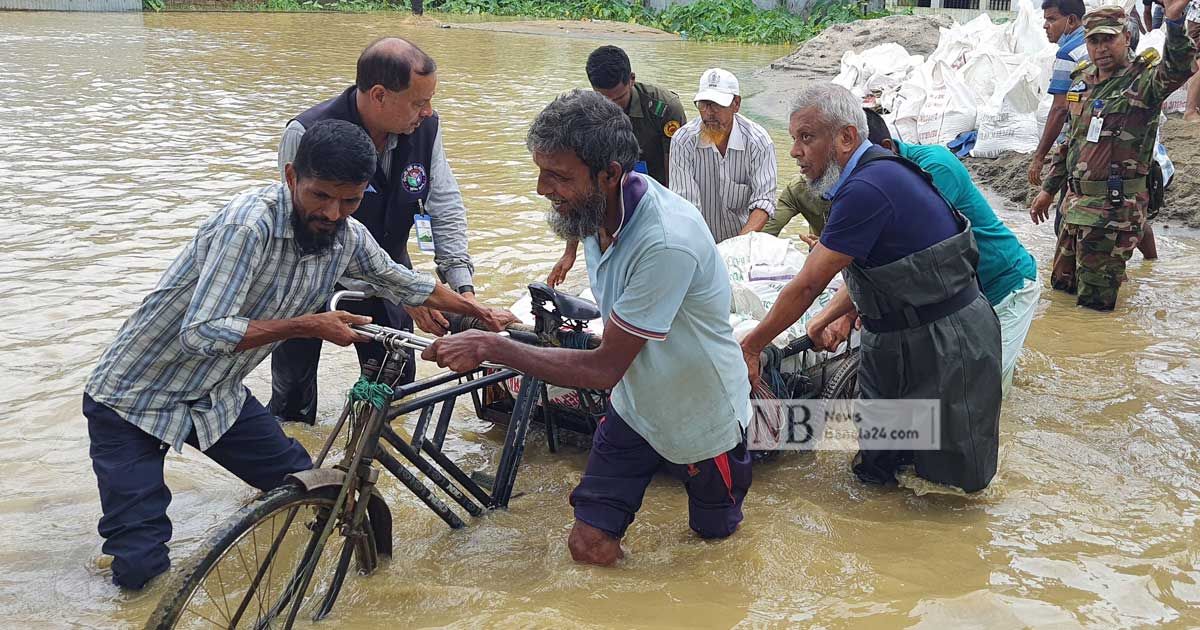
{"x": 250, "y": 573}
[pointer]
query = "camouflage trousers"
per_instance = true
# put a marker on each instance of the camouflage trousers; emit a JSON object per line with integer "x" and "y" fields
{"x": 1090, "y": 261}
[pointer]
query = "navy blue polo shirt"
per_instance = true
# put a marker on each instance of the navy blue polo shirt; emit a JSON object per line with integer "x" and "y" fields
{"x": 883, "y": 212}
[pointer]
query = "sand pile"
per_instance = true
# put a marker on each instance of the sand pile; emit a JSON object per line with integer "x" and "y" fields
{"x": 819, "y": 58}
{"x": 1183, "y": 195}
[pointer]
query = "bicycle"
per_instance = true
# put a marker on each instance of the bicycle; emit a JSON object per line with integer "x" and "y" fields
{"x": 273, "y": 560}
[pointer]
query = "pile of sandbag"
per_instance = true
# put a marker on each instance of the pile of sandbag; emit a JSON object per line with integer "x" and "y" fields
{"x": 983, "y": 77}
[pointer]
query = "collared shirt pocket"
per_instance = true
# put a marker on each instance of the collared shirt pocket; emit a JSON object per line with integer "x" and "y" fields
{"x": 737, "y": 197}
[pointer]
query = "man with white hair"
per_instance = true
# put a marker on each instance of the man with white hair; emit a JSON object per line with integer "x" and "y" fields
{"x": 909, "y": 262}
{"x": 722, "y": 162}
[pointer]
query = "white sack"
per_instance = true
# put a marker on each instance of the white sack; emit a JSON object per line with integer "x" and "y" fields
{"x": 935, "y": 106}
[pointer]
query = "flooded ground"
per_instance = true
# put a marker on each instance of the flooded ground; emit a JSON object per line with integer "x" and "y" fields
{"x": 120, "y": 133}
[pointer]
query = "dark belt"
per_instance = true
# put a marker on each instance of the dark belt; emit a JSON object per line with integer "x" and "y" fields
{"x": 1099, "y": 188}
{"x": 917, "y": 316}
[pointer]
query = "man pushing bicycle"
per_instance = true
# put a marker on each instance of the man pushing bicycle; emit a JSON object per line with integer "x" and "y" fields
{"x": 680, "y": 399}
{"x": 255, "y": 274}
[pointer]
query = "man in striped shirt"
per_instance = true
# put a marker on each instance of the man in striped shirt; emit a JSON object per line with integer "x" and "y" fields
{"x": 723, "y": 163}
{"x": 1064, "y": 26}
{"x": 255, "y": 274}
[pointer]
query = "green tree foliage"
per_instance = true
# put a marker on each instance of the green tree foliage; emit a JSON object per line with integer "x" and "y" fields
{"x": 706, "y": 20}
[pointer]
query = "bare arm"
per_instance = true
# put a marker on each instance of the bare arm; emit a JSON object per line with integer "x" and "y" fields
{"x": 331, "y": 326}
{"x": 820, "y": 267}
{"x": 839, "y": 307}
{"x": 601, "y": 368}
{"x": 755, "y": 223}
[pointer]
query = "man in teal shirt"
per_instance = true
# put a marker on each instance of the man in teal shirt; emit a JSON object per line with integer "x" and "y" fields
{"x": 1007, "y": 272}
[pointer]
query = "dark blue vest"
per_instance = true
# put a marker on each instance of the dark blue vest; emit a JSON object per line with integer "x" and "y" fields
{"x": 388, "y": 208}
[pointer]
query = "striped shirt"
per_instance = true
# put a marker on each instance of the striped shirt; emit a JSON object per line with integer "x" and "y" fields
{"x": 1071, "y": 50}
{"x": 174, "y": 364}
{"x": 725, "y": 187}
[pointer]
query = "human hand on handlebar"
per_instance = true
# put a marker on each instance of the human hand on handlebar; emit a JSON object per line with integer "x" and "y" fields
{"x": 497, "y": 319}
{"x": 752, "y": 359}
{"x": 429, "y": 320}
{"x": 829, "y": 337}
{"x": 334, "y": 326}
{"x": 461, "y": 352}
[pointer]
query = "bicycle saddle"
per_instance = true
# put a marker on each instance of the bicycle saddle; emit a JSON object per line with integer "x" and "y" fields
{"x": 568, "y": 306}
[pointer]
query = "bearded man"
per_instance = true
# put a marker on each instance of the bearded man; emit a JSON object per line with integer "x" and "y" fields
{"x": 679, "y": 400}
{"x": 909, "y": 261}
{"x": 254, "y": 275}
{"x": 723, "y": 163}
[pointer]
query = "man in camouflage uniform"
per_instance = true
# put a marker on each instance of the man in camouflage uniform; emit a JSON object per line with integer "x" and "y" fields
{"x": 1115, "y": 102}
{"x": 655, "y": 112}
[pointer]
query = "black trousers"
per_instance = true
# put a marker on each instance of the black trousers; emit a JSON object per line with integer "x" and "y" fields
{"x": 128, "y": 463}
{"x": 294, "y": 362}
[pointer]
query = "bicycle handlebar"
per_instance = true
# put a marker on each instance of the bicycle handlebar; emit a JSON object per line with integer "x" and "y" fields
{"x": 518, "y": 331}
{"x": 345, "y": 295}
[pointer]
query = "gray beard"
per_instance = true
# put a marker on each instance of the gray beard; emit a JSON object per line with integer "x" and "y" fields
{"x": 580, "y": 221}
{"x": 825, "y": 183}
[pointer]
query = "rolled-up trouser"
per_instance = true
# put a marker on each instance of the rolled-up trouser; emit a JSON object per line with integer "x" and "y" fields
{"x": 294, "y": 362}
{"x": 621, "y": 465}
{"x": 1015, "y": 313}
{"x": 128, "y": 463}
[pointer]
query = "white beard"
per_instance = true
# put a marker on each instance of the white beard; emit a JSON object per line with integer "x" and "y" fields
{"x": 825, "y": 183}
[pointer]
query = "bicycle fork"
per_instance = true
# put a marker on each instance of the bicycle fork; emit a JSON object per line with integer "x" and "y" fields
{"x": 349, "y": 510}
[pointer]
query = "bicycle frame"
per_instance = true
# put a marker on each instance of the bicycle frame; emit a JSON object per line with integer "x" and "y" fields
{"x": 371, "y": 439}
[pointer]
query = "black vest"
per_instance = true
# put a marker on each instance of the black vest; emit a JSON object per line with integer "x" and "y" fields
{"x": 390, "y": 203}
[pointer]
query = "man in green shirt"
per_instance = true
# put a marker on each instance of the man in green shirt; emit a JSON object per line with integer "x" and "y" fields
{"x": 1007, "y": 272}
{"x": 656, "y": 115}
{"x": 795, "y": 199}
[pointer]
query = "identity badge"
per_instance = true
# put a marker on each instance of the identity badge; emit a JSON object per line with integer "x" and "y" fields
{"x": 424, "y": 225}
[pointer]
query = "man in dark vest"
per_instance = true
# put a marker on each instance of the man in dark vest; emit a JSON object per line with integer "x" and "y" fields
{"x": 413, "y": 188}
{"x": 909, "y": 261}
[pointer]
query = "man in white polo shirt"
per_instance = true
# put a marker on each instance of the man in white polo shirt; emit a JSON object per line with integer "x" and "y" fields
{"x": 723, "y": 163}
{"x": 680, "y": 399}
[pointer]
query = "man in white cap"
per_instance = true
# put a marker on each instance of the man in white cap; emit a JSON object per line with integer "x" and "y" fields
{"x": 722, "y": 162}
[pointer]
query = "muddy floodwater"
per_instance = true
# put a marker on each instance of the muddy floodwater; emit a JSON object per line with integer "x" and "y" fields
{"x": 118, "y": 134}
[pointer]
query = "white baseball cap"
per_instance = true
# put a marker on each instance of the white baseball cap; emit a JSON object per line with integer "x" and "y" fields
{"x": 718, "y": 86}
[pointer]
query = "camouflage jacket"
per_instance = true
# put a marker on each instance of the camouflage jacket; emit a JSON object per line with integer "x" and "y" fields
{"x": 1129, "y": 102}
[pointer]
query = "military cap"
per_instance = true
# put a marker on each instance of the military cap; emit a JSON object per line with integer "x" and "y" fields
{"x": 1105, "y": 20}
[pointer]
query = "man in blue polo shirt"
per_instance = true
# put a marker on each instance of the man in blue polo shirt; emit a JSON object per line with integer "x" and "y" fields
{"x": 1063, "y": 23}
{"x": 680, "y": 399}
{"x": 1007, "y": 271}
{"x": 909, "y": 261}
